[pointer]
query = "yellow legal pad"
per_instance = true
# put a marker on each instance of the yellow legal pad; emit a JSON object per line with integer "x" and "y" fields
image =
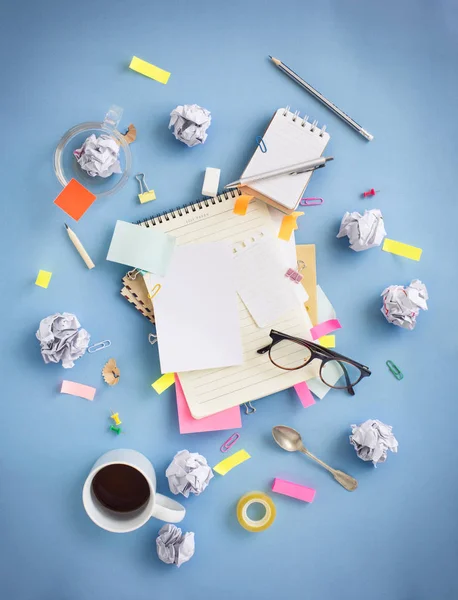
{"x": 230, "y": 462}
{"x": 163, "y": 382}
{"x": 43, "y": 278}
{"x": 402, "y": 249}
{"x": 149, "y": 70}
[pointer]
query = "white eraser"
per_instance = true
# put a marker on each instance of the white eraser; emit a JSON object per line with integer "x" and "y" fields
{"x": 211, "y": 182}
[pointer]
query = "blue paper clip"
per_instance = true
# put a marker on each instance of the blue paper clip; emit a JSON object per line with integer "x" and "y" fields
{"x": 99, "y": 346}
{"x": 261, "y": 143}
{"x": 229, "y": 442}
{"x": 312, "y": 201}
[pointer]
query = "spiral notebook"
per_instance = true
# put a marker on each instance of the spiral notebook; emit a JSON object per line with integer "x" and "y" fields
{"x": 289, "y": 139}
{"x": 212, "y": 390}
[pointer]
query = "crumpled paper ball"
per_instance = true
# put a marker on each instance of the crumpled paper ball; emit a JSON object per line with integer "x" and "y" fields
{"x": 190, "y": 123}
{"x": 172, "y": 547}
{"x": 61, "y": 339}
{"x": 372, "y": 440}
{"x": 99, "y": 156}
{"x": 401, "y": 305}
{"x": 188, "y": 473}
{"x": 363, "y": 231}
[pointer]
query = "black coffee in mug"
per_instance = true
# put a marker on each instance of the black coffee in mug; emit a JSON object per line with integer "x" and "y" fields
{"x": 121, "y": 488}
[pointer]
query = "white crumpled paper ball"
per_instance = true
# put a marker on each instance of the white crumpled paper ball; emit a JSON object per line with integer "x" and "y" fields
{"x": 190, "y": 123}
{"x": 363, "y": 231}
{"x": 61, "y": 339}
{"x": 401, "y": 305}
{"x": 99, "y": 156}
{"x": 372, "y": 440}
{"x": 188, "y": 473}
{"x": 172, "y": 547}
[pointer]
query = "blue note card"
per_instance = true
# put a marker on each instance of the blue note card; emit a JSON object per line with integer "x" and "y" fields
{"x": 141, "y": 247}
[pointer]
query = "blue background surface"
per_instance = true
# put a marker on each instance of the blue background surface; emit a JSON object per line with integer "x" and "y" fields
{"x": 392, "y": 66}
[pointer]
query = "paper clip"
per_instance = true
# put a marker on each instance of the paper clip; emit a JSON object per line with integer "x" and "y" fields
{"x": 395, "y": 370}
{"x": 312, "y": 201}
{"x": 261, "y": 143}
{"x": 249, "y": 408}
{"x": 229, "y": 442}
{"x": 152, "y": 339}
{"x": 296, "y": 275}
{"x": 99, "y": 346}
{"x": 154, "y": 291}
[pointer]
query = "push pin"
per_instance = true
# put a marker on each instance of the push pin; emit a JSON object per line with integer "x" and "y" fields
{"x": 296, "y": 275}
{"x": 145, "y": 195}
{"x": 115, "y": 417}
{"x": 370, "y": 192}
{"x": 117, "y": 430}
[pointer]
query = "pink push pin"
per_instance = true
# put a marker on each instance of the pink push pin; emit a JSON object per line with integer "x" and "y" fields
{"x": 370, "y": 192}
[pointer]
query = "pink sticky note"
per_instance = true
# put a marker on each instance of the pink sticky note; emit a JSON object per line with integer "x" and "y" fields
{"x": 300, "y": 492}
{"x": 305, "y": 395}
{"x": 324, "y": 328}
{"x": 226, "y": 419}
{"x": 78, "y": 389}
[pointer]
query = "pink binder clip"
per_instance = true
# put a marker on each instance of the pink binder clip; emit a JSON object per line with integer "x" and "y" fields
{"x": 312, "y": 201}
{"x": 295, "y": 275}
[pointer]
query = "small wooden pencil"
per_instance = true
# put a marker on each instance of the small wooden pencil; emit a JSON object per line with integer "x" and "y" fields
{"x": 79, "y": 246}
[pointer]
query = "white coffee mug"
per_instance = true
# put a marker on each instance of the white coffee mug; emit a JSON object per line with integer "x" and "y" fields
{"x": 157, "y": 506}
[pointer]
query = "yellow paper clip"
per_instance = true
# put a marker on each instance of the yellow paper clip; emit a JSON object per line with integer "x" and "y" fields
{"x": 145, "y": 195}
{"x": 154, "y": 291}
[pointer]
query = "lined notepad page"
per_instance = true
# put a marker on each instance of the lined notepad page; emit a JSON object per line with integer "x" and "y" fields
{"x": 212, "y": 390}
{"x": 287, "y": 143}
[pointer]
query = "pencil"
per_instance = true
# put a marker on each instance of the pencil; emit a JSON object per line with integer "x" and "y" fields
{"x": 79, "y": 246}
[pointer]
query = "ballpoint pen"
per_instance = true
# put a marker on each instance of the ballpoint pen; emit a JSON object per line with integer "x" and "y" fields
{"x": 311, "y": 165}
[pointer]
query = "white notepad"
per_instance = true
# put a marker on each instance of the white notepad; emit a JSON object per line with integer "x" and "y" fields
{"x": 289, "y": 140}
{"x": 212, "y": 390}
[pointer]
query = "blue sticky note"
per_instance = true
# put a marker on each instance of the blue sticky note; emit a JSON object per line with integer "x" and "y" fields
{"x": 141, "y": 247}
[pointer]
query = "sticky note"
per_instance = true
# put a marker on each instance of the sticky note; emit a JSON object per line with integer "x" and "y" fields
{"x": 164, "y": 382}
{"x": 78, "y": 389}
{"x": 402, "y": 249}
{"x": 226, "y": 419}
{"x": 304, "y": 394}
{"x": 324, "y": 328}
{"x": 232, "y": 461}
{"x": 288, "y": 225}
{"x": 328, "y": 341}
{"x": 294, "y": 490}
{"x": 74, "y": 199}
{"x": 147, "y": 196}
{"x": 211, "y": 181}
{"x": 149, "y": 70}
{"x": 241, "y": 204}
{"x": 43, "y": 278}
{"x": 141, "y": 247}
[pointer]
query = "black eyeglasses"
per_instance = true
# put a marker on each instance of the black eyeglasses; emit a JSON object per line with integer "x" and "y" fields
{"x": 336, "y": 371}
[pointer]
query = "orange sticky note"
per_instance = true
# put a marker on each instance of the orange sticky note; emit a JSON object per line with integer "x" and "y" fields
{"x": 75, "y": 199}
{"x": 241, "y": 204}
{"x": 288, "y": 225}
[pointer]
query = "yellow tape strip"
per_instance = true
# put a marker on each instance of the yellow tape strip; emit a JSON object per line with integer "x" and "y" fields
{"x": 163, "y": 382}
{"x": 402, "y": 249}
{"x": 149, "y": 70}
{"x": 256, "y": 498}
{"x": 328, "y": 341}
{"x": 230, "y": 462}
{"x": 288, "y": 225}
{"x": 241, "y": 204}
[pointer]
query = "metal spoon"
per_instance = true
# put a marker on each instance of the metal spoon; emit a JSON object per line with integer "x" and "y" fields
{"x": 290, "y": 440}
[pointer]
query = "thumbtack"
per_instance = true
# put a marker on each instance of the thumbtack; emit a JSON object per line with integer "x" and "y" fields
{"x": 370, "y": 192}
{"x": 117, "y": 430}
{"x": 115, "y": 417}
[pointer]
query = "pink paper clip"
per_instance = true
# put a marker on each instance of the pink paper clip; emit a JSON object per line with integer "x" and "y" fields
{"x": 295, "y": 275}
{"x": 312, "y": 201}
{"x": 229, "y": 442}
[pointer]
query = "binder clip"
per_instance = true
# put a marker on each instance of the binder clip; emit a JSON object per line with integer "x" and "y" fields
{"x": 99, "y": 346}
{"x": 145, "y": 195}
{"x": 152, "y": 338}
{"x": 132, "y": 275}
{"x": 296, "y": 275}
{"x": 229, "y": 442}
{"x": 261, "y": 143}
{"x": 249, "y": 408}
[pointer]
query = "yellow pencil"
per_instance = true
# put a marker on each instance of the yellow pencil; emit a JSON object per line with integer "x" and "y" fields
{"x": 79, "y": 246}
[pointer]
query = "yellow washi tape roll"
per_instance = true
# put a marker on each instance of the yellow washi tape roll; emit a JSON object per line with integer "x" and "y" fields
{"x": 256, "y": 498}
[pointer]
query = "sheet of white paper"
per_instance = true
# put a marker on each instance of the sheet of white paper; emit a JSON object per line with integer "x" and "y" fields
{"x": 261, "y": 282}
{"x": 141, "y": 247}
{"x": 197, "y": 321}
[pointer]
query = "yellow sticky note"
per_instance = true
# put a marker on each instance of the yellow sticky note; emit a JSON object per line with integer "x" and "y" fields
{"x": 149, "y": 70}
{"x": 241, "y": 204}
{"x": 328, "y": 341}
{"x": 402, "y": 249}
{"x": 230, "y": 462}
{"x": 43, "y": 278}
{"x": 163, "y": 382}
{"x": 288, "y": 225}
{"x": 147, "y": 196}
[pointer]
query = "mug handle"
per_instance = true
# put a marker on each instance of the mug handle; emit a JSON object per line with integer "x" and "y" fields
{"x": 167, "y": 510}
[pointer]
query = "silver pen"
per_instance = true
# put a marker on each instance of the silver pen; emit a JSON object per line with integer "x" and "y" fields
{"x": 310, "y": 165}
{"x": 335, "y": 109}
